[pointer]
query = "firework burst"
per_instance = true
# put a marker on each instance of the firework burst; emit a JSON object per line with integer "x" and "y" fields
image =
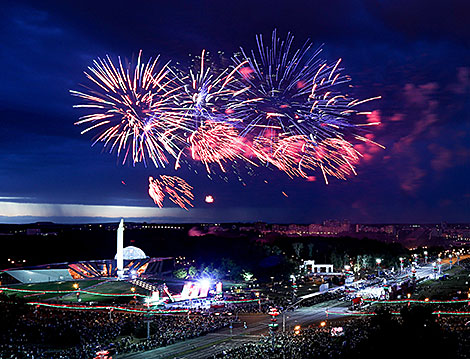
{"x": 131, "y": 106}
{"x": 215, "y": 142}
{"x": 293, "y": 109}
{"x": 207, "y": 91}
{"x": 202, "y": 105}
{"x": 298, "y": 156}
{"x": 177, "y": 189}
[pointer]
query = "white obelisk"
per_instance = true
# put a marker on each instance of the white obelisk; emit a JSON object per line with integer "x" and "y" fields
{"x": 120, "y": 249}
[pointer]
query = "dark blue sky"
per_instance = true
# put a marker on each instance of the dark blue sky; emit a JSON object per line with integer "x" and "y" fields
{"x": 416, "y": 54}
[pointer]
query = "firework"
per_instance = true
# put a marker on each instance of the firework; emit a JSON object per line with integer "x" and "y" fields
{"x": 294, "y": 113}
{"x": 131, "y": 108}
{"x": 202, "y": 104}
{"x": 278, "y": 106}
{"x": 209, "y": 199}
{"x": 177, "y": 189}
{"x": 292, "y": 92}
{"x": 215, "y": 142}
{"x": 297, "y": 156}
{"x": 156, "y": 191}
{"x": 207, "y": 91}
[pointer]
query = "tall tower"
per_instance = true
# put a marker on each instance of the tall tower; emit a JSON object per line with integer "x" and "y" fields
{"x": 120, "y": 249}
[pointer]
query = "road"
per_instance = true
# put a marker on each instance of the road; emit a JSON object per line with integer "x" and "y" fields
{"x": 221, "y": 340}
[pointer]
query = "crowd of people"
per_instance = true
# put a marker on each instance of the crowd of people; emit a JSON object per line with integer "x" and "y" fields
{"x": 36, "y": 332}
{"x": 414, "y": 334}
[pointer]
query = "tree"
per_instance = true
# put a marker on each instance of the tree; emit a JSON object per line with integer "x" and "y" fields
{"x": 192, "y": 271}
{"x": 310, "y": 250}
{"x": 336, "y": 260}
{"x": 181, "y": 273}
{"x": 247, "y": 276}
{"x": 230, "y": 268}
{"x": 298, "y": 246}
{"x": 346, "y": 259}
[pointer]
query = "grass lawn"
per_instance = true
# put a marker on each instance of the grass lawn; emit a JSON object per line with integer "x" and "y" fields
{"x": 108, "y": 287}
{"x": 458, "y": 280}
{"x": 97, "y": 285}
{"x": 49, "y": 286}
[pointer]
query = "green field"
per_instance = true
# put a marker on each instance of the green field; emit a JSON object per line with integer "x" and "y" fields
{"x": 458, "y": 280}
{"x": 94, "y": 285}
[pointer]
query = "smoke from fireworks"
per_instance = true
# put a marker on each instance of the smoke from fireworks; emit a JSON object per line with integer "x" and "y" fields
{"x": 177, "y": 189}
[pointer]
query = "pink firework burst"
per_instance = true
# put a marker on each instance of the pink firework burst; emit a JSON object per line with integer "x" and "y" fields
{"x": 177, "y": 189}
{"x": 297, "y": 156}
{"x": 215, "y": 142}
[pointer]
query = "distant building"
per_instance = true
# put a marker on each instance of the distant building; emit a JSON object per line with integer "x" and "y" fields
{"x": 387, "y": 229}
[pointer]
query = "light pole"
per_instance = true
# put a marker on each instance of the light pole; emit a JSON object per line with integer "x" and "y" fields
{"x": 425, "y": 257}
{"x": 378, "y": 261}
{"x": 439, "y": 265}
{"x": 450, "y": 261}
{"x": 76, "y": 286}
{"x": 259, "y": 301}
{"x": 133, "y": 292}
{"x": 401, "y": 264}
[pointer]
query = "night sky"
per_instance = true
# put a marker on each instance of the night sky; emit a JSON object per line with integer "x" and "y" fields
{"x": 415, "y": 54}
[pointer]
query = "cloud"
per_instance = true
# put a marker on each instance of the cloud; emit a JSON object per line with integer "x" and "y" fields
{"x": 397, "y": 117}
{"x": 419, "y": 95}
{"x": 46, "y": 210}
{"x": 443, "y": 158}
{"x": 463, "y": 81}
{"x": 411, "y": 179}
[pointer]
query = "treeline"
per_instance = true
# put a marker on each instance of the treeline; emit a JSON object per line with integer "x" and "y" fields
{"x": 229, "y": 253}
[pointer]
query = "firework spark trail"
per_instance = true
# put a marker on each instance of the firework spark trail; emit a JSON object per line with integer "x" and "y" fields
{"x": 177, "y": 189}
{"x": 132, "y": 109}
{"x": 297, "y": 156}
{"x": 156, "y": 191}
{"x": 215, "y": 142}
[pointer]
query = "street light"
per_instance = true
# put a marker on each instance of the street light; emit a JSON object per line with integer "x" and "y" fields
{"x": 259, "y": 301}
{"x": 77, "y": 288}
{"x": 434, "y": 269}
{"x": 297, "y": 329}
{"x": 450, "y": 261}
{"x": 378, "y": 261}
{"x": 426, "y": 257}
{"x": 401, "y": 264}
